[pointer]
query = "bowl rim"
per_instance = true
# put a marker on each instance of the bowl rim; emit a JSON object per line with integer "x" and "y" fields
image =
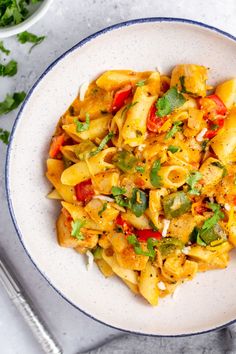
{"x": 30, "y": 21}
{"x": 9, "y": 148}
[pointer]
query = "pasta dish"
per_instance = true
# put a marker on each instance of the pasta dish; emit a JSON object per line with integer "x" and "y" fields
{"x": 144, "y": 166}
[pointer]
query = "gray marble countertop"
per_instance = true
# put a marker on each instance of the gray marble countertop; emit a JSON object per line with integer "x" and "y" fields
{"x": 66, "y": 23}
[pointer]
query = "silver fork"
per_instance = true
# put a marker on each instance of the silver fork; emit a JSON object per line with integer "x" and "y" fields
{"x": 25, "y": 307}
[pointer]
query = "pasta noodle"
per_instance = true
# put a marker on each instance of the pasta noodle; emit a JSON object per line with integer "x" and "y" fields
{"x": 144, "y": 166}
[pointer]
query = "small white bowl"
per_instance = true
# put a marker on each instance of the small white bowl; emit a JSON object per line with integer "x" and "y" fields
{"x": 30, "y": 21}
{"x": 205, "y": 303}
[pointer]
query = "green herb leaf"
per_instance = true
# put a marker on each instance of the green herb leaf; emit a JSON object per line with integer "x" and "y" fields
{"x": 80, "y": 126}
{"x": 176, "y": 127}
{"x": 76, "y": 229}
{"x": 173, "y": 149}
{"x": 27, "y": 37}
{"x": 140, "y": 83}
{"x": 124, "y": 160}
{"x": 132, "y": 239}
{"x": 122, "y": 201}
{"x": 102, "y": 144}
{"x": 4, "y": 136}
{"x": 171, "y": 100}
{"x": 212, "y": 221}
{"x": 138, "y": 202}
{"x": 140, "y": 169}
{"x": 204, "y": 144}
{"x": 104, "y": 207}
{"x": 154, "y": 228}
{"x": 192, "y": 180}
{"x": 219, "y": 165}
{"x": 9, "y": 69}
{"x": 154, "y": 178}
{"x": 13, "y": 12}
{"x": 11, "y": 102}
{"x": 118, "y": 190}
{"x": 183, "y": 88}
{"x": 3, "y": 49}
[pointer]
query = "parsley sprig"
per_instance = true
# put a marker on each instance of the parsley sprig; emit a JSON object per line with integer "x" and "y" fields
{"x": 81, "y": 126}
{"x": 27, "y": 37}
{"x": 4, "y": 136}
{"x": 192, "y": 181}
{"x": 11, "y": 102}
{"x": 76, "y": 229}
{"x": 171, "y": 100}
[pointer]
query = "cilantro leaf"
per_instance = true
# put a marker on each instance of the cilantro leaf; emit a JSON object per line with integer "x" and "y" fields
{"x": 104, "y": 207}
{"x": 171, "y": 100}
{"x": 27, "y": 37}
{"x": 219, "y": 165}
{"x": 192, "y": 180}
{"x": 140, "y": 169}
{"x": 212, "y": 221}
{"x": 103, "y": 143}
{"x": 173, "y": 149}
{"x": 140, "y": 83}
{"x": 3, "y": 49}
{"x": 76, "y": 229}
{"x": 9, "y": 69}
{"x": 176, "y": 127}
{"x": 154, "y": 178}
{"x": 80, "y": 126}
{"x": 11, "y": 102}
{"x": 118, "y": 191}
{"x": 13, "y": 12}
{"x": 4, "y": 136}
{"x": 132, "y": 239}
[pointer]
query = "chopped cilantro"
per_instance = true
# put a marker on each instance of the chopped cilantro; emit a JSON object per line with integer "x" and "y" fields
{"x": 102, "y": 144}
{"x": 173, "y": 149}
{"x": 3, "y": 49}
{"x": 140, "y": 169}
{"x": 4, "y": 136}
{"x": 154, "y": 177}
{"x": 171, "y": 100}
{"x": 132, "y": 239}
{"x": 192, "y": 180}
{"x": 11, "y": 102}
{"x": 104, "y": 207}
{"x": 80, "y": 126}
{"x": 118, "y": 191}
{"x": 140, "y": 83}
{"x": 10, "y": 69}
{"x": 76, "y": 229}
{"x": 176, "y": 127}
{"x": 27, "y": 37}
{"x": 219, "y": 165}
{"x": 13, "y": 12}
{"x": 212, "y": 221}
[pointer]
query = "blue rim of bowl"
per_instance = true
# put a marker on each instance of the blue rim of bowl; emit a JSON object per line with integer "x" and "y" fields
{"x": 49, "y": 68}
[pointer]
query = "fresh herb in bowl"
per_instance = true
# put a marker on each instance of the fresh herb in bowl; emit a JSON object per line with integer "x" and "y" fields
{"x": 13, "y": 12}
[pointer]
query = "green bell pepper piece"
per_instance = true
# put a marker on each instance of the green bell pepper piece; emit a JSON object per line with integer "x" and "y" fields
{"x": 124, "y": 160}
{"x": 168, "y": 245}
{"x": 176, "y": 204}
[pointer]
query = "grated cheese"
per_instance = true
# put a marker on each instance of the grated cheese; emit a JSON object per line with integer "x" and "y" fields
{"x": 161, "y": 285}
{"x": 141, "y": 147}
{"x": 166, "y": 227}
{"x": 186, "y": 250}
{"x": 104, "y": 197}
{"x": 83, "y": 89}
{"x": 200, "y": 136}
{"x": 89, "y": 260}
{"x": 227, "y": 207}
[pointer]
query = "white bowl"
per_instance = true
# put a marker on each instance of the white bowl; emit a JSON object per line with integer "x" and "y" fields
{"x": 207, "y": 302}
{"x": 39, "y": 12}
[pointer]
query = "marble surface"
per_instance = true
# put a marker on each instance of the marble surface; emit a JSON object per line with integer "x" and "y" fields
{"x": 66, "y": 23}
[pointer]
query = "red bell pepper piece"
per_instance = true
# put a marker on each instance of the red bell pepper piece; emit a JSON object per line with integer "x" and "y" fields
{"x": 127, "y": 228}
{"x": 220, "y": 106}
{"x": 84, "y": 191}
{"x": 120, "y": 97}
{"x": 212, "y": 106}
{"x": 217, "y": 124}
{"x": 153, "y": 121}
{"x": 144, "y": 235}
{"x": 56, "y": 144}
